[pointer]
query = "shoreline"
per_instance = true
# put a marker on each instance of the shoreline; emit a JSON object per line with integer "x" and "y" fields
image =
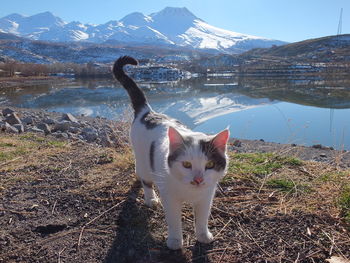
{"x": 108, "y": 133}
{"x": 9, "y": 82}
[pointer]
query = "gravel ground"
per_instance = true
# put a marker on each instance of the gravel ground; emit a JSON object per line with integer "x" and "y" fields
{"x": 70, "y": 196}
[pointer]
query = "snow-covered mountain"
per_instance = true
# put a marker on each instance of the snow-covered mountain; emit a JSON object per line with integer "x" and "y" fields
{"x": 170, "y": 26}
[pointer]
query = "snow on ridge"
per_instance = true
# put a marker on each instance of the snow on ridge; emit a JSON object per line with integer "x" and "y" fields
{"x": 171, "y": 26}
{"x": 136, "y": 19}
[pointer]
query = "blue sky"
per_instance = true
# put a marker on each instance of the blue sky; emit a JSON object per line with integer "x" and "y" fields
{"x": 288, "y": 20}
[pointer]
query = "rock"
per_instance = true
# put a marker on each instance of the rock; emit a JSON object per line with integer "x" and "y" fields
{"x": 35, "y": 129}
{"x": 69, "y": 117}
{"x": 19, "y": 127}
{"x": 89, "y": 130}
{"x": 237, "y": 143}
{"x": 60, "y": 135}
{"x": 13, "y": 119}
{"x": 317, "y": 146}
{"x": 105, "y": 140}
{"x": 293, "y": 145}
{"x": 320, "y": 146}
{"x": 43, "y": 126}
{"x": 28, "y": 120}
{"x": 62, "y": 126}
{"x": 323, "y": 155}
{"x": 74, "y": 130}
{"x": 262, "y": 140}
{"x": 90, "y": 136}
{"x": 9, "y": 128}
{"x": 7, "y": 111}
{"x": 49, "y": 121}
{"x": 71, "y": 135}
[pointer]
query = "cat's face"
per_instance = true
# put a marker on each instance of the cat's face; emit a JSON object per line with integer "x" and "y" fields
{"x": 197, "y": 162}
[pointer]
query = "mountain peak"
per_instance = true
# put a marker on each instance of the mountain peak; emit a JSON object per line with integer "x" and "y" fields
{"x": 173, "y": 21}
{"x": 45, "y": 15}
{"x": 136, "y": 19}
{"x": 13, "y": 17}
{"x": 175, "y": 12}
{"x": 45, "y": 19}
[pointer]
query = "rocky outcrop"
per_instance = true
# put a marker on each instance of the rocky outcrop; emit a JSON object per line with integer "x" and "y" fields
{"x": 91, "y": 130}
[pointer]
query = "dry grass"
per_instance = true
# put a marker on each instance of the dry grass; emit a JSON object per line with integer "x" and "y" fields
{"x": 27, "y": 152}
{"x": 269, "y": 208}
{"x": 311, "y": 187}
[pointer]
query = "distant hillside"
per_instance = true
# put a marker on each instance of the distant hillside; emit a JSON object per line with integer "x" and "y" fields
{"x": 329, "y": 54}
{"x": 44, "y": 52}
{"x": 325, "y": 49}
{"x": 8, "y": 36}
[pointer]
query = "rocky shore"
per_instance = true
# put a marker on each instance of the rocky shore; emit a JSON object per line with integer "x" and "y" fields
{"x": 99, "y": 131}
{"x": 107, "y": 133}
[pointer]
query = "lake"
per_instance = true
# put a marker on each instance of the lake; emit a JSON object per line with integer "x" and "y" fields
{"x": 285, "y": 110}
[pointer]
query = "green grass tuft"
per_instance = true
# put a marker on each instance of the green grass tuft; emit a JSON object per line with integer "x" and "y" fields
{"x": 6, "y": 156}
{"x": 258, "y": 164}
{"x": 344, "y": 202}
{"x": 32, "y": 137}
{"x": 282, "y": 184}
{"x": 7, "y": 144}
{"x": 56, "y": 143}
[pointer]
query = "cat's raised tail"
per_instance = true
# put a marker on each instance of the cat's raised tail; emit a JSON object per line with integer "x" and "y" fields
{"x": 137, "y": 97}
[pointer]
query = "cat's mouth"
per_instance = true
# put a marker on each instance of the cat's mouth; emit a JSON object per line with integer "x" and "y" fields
{"x": 197, "y": 184}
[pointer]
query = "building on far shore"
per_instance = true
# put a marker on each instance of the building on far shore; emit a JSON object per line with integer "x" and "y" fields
{"x": 157, "y": 73}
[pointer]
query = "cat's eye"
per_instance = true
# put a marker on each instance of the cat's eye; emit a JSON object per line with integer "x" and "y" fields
{"x": 210, "y": 165}
{"x": 187, "y": 164}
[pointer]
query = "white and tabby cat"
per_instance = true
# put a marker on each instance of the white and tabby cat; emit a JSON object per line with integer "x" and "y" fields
{"x": 184, "y": 165}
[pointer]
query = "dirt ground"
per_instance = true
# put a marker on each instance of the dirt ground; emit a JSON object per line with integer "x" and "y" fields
{"x": 76, "y": 202}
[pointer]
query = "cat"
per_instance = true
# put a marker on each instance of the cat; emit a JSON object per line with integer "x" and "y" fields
{"x": 184, "y": 165}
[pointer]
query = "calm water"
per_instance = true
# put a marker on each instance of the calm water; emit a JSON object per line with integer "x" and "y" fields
{"x": 312, "y": 111}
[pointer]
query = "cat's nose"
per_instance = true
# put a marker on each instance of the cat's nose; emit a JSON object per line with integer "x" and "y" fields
{"x": 198, "y": 179}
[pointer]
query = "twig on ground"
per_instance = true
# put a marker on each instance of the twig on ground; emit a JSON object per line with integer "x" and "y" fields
{"x": 67, "y": 167}
{"x": 59, "y": 254}
{"x": 249, "y": 235}
{"x": 53, "y": 208}
{"x": 221, "y": 190}
{"x": 222, "y": 255}
{"x": 15, "y": 159}
{"x": 94, "y": 219}
{"x": 263, "y": 182}
{"x": 229, "y": 221}
{"x": 333, "y": 245}
{"x": 220, "y": 210}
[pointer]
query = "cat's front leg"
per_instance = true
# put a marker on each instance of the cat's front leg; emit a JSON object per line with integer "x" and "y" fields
{"x": 202, "y": 212}
{"x": 172, "y": 209}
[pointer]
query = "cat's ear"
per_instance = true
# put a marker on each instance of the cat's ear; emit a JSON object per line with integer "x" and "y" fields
{"x": 220, "y": 140}
{"x": 175, "y": 139}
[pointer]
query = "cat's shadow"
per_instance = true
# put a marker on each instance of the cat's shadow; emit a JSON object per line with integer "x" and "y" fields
{"x": 199, "y": 253}
{"x": 134, "y": 242}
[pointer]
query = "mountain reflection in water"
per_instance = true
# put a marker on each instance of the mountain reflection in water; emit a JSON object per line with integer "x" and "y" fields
{"x": 304, "y": 111}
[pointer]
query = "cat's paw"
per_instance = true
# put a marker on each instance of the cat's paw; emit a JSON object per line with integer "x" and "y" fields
{"x": 205, "y": 237}
{"x": 152, "y": 203}
{"x": 174, "y": 243}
